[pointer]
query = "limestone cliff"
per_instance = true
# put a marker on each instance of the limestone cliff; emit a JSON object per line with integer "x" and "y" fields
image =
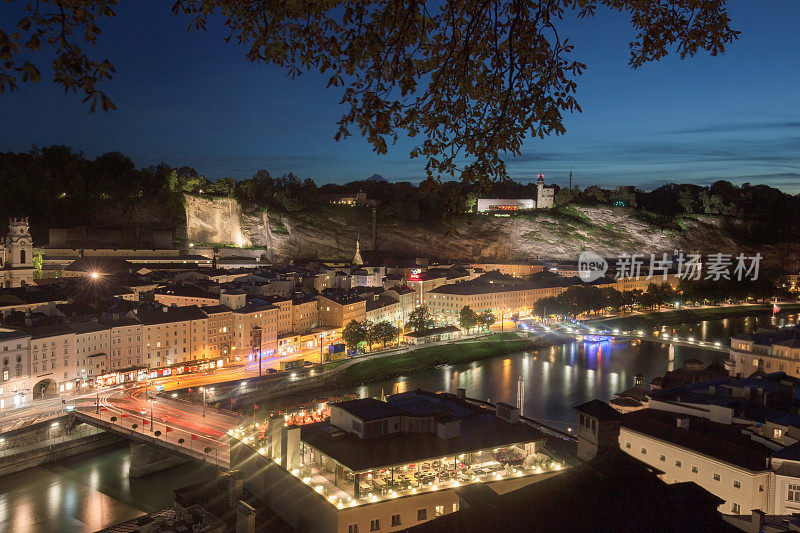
{"x": 330, "y": 233}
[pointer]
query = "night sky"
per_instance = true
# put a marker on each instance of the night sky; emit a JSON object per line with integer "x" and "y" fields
{"x": 188, "y": 98}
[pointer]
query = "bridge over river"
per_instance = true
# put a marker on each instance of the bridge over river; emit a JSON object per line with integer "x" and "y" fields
{"x": 674, "y": 340}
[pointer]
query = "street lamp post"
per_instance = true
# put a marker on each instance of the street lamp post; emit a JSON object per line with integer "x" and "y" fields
{"x": 204, "y": 400}
{"x": 152, "y": 408}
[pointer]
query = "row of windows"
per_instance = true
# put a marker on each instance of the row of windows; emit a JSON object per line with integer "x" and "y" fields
{"x": 695, "y": 470}
{"x": 422, "y": 514}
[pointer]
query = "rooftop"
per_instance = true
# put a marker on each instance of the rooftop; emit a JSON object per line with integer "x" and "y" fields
{"x": 721, "y": 441}
{"x": 254, "y": 306}
{"x": 599, "y": 409}
{"x": 162, "y": 315}
{"x": 480, "y": 429}
{"x": 9, "y": 334}
{"x": 368, "y": 409}
{"x": 342, "y": 296}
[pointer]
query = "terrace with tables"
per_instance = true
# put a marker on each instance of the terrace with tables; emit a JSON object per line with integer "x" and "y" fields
{"x": 416, "y": 442}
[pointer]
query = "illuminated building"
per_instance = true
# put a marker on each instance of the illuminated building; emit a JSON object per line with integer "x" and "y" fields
{"x": 504, "y": 204}
{"x": 387, "y": 466}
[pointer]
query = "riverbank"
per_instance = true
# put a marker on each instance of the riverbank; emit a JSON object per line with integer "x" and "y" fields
{"x": 656, "y": 319}
{"x": 430, "y": 357}
{"x": 399, "y": 364}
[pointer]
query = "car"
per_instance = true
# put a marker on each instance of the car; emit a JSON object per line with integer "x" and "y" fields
{"x": 308, "y": 363}
{"x": 272, "y": 371}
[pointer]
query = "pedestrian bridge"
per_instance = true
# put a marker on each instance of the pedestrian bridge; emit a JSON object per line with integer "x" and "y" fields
{"x": 674, "y": 340}
{"x": 183, "y": 443}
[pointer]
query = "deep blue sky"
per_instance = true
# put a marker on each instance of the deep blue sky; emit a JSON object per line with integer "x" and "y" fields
{"x": 188, "y": 98}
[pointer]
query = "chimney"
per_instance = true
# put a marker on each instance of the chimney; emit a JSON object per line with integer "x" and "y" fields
{"x": 683, "y": 422}
{"x": 245, "y": 517}
{"x": 235, "y": 486}
{"x": 757, "y": 522}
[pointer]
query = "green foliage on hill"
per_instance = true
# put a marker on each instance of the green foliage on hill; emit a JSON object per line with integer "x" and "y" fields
{"x": 58, "y": 187}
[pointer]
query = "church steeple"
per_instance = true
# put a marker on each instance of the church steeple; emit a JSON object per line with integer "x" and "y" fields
{"x": 17, "y": 268}
{"x": 357, "y": 258}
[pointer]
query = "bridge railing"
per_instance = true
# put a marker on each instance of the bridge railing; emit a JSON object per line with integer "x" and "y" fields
{"x": 194, "y": 445}
{"x": 25, "y": 421}
{"x": 16, "y": 453}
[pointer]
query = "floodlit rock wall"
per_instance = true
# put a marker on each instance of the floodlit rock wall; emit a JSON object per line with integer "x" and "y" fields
{"x": 217, "y": 221}
{"x": 330, "y": 233}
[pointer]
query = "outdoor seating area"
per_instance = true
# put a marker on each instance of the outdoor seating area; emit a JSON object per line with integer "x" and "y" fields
{"x": 343, "y": 487}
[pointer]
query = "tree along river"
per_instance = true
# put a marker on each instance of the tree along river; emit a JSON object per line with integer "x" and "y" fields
{"x": 93, "y": 491}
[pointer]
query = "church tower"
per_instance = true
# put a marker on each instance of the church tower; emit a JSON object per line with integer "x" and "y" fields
{"x": 357, "y": 258}
{"x": 18, "y": 254}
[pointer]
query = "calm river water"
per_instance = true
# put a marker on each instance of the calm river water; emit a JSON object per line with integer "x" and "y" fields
{"x": 93, "y": 491}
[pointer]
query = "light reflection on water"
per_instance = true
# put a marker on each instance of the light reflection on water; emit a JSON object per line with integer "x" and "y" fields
{"x": 558, "y": 378}
{"x": 87, "y": 493}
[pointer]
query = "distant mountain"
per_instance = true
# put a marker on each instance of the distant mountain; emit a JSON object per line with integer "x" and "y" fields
{"x": 377, "y": 177}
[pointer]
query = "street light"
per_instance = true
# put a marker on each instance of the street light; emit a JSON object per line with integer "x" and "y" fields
{"x": 152, "y": 400}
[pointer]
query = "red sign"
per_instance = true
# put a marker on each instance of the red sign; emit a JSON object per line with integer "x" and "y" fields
{"x": 413, "y": 277}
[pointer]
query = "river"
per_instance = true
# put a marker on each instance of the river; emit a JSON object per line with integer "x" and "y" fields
{"x": 93, "y": 491}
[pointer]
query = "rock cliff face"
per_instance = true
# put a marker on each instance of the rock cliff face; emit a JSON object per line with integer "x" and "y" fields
{"x": 330, "y": 233}
{"x": 222, "y": 221}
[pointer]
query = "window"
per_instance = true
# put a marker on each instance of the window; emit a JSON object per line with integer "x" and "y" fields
{"x": 422, "y": 514}
{"x": 761, "y": 488}
{"x": 662, "y": 458}
{"x": 395, "y": 520}
{"x": 375, "y": 525}
{"x": 678, "y": 464}
{"x": 628, "y": 445}
{"x": 778, "y": 433}
{"x": 737, "y": 485}
{"x": 352, "y": 528}
{"x": 439, "y": 511}
{"x": 794, "y": 493}
{"x": 694, "y": 470}
{"x": 644, "y": 451}
{"x": 716, "y": 477}
{"x": 735, "y": 508}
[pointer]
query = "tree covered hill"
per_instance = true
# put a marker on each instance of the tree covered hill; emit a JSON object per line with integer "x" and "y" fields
{"x": 58, "y": 187}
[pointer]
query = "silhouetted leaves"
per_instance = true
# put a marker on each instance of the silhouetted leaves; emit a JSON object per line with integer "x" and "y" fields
{"x": 471, "y": 79}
